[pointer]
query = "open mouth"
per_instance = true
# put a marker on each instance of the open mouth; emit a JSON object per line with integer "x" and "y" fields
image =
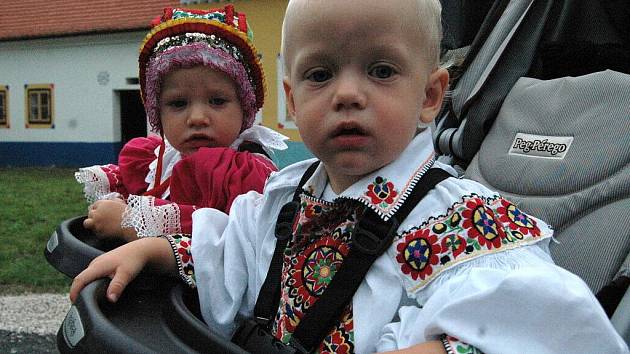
{"x": 350, "y": 136}
{"x": 354, "y": 131}
{"x": 349, "y": 130}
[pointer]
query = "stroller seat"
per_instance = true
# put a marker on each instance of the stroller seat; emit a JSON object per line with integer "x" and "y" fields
{"x": 560, "y": 150}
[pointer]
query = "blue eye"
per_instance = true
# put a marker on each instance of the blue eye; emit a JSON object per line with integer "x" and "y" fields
{"x": 217, "y": 101}
{"x": 382, "y": 71}
{"x": 319, "y": 75}
{"x": 176, "y": 103}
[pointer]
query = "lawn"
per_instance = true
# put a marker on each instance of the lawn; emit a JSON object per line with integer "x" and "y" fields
{"x": 33, "y": 202}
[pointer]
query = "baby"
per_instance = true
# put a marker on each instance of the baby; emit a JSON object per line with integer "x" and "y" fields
{"x": 202, "y": 84}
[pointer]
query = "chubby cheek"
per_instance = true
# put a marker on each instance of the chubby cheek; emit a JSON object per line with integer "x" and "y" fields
{"x": 180, "y": 148}
{"x": 185, "y": 152}
{"x": 312, "y": 135}
{"x": 174, "y": 138}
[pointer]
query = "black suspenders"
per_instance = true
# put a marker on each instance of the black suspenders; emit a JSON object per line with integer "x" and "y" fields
{"x": 371, "y": 237}
{"x": 269, "y": 295}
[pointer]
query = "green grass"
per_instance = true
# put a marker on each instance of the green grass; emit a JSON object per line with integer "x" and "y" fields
{"x": 33, "y": 202}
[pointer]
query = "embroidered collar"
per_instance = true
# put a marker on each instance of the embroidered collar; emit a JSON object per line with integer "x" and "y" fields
{"x": 386, "y": 189}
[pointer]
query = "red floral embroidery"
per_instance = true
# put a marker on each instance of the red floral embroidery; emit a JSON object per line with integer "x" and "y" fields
{"x": 472, "y": 227}
{"x": 482, "y": 224}
{"x": 286, "y": 322}
{"x": 516, "y": 219}
{"x": 184, "y": 252}
{"x": 317, "y": 265}
{"x": 312, "y": 210}
{"x": 181, "y": 245}
{"x": 184, "y": 256}
{"x": 454, "y": 243}
{"x": 336, "y": 343}
{"x": 310, "y": 263}
{"x": 341, "y": 339}
{"x": 381, "y": 191}
{"x": 418, "y": 253}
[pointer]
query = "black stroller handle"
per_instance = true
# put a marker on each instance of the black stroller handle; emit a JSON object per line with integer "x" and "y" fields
{"x": 71, "y": 247}
{"x": 83, "y": 329}
{"x": 155, "y": 314}
{"x": 162, "y": 319}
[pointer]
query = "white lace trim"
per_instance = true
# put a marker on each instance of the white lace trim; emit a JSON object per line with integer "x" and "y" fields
{"x": 171, "y": 157}
{"x": 95, "y": 182}
{"x": 268, "y": 139}
{"x": 150, "y": 220}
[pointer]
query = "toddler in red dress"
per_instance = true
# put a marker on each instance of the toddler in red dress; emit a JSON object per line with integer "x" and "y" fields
{"x": 202, "y": 84}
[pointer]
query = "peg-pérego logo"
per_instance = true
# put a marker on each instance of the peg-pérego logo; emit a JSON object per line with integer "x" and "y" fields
{"x": 550, "y": 147}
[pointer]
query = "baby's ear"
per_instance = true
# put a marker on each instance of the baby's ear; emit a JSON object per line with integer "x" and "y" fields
{"x": 288, "y": 93}
{"x": 434, "y": 94}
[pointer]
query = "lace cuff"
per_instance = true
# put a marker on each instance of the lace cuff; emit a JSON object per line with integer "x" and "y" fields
{"x": 95, "y": 181}
{"x": 181, "y": 245}
{"x": 150, "y": 220}
{"x": 453, "y": 345}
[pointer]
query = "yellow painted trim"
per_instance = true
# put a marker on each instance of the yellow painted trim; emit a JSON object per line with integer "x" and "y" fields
{"x": 29, "y": 87}
{"x": 5, "y": 90}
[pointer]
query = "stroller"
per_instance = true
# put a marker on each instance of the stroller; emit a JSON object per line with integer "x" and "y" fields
{"x": 535, "y": 70}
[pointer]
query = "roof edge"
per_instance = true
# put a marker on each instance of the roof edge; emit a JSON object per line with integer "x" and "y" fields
{"x": 72, "y": 34}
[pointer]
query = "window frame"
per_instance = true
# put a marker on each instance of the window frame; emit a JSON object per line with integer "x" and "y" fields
{"x": 5, "y": 121}
{"x": 41, "y": 90}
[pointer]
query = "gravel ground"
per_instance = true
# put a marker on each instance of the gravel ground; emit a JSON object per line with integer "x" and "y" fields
{"x": 29, "y": 323}
{"x": 35, "y": 313}
{"x": 27, "y": 343}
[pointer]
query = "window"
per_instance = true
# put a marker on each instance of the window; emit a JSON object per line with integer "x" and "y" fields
{"x": 4, "y": 106}
{"x": 39, "y": 106}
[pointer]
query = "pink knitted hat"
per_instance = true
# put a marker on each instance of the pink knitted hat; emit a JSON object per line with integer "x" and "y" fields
{"x": 219, "y": 39}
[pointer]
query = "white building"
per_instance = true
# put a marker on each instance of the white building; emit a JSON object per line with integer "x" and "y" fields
{"x": 61, "y": 95}
{"x": 69, "y": 92}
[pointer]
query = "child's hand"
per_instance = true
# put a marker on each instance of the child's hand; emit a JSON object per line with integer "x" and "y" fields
{"x": 123, "y": 264}
{"x": 104, "y": 218}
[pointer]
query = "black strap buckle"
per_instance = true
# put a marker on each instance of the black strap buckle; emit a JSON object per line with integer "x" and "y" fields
{"x": 366, "y": 237}
{"x": 262, "y": 321}
{"x": 284, "y": 225}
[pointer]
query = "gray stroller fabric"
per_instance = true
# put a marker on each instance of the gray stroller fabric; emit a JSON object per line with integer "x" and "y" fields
{"x": 542, "y": 39}
{"x": 560, "y": 150}
{"x": 505, "y": 55}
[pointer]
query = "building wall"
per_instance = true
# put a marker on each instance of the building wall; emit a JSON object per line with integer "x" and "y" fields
{"x": 85, "y": 72}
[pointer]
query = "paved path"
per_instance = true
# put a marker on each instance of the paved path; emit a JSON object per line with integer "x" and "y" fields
{"x": 29, "y": 323}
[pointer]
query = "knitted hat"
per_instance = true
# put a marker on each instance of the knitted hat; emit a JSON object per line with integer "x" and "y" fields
{"x": 219, "y": 39}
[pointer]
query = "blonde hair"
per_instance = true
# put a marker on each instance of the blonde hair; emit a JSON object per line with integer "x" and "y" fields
{"x": 429, "y": 25}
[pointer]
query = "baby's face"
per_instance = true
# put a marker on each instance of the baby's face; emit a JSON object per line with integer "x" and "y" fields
{"x": 357, "y": 82}
{"x": 199, "y": 107}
